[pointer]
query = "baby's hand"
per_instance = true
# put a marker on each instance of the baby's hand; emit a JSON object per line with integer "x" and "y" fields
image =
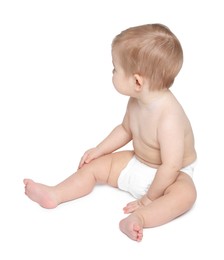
{"x": 132, "y": 206}
{"x": 89, "y": 155}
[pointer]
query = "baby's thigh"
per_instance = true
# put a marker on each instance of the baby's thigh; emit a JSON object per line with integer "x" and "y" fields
{"x": 118, "y": 163}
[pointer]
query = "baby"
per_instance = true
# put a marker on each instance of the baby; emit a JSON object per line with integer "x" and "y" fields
{"x": 158, "y": 171}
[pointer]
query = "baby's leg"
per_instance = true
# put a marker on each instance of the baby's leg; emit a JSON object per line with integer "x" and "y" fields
{"x": 105, "y": 169}
{"x": 40, "y": 193}
{"x": 132, "y": 226}
{"x": 177, "y": 199}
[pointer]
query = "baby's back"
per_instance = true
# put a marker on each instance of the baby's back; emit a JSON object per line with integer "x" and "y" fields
{"x": 154, "y": 126}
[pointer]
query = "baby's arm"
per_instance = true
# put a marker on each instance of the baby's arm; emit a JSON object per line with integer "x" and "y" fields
{"x": 119, "y": 137}
{"x": 171, "y": 139}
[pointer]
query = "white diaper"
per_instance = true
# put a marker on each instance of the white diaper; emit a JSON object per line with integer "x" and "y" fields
{"x": 136, "y": 177}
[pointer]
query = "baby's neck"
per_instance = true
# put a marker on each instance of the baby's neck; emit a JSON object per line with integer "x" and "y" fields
{"x": 152, "y": 97}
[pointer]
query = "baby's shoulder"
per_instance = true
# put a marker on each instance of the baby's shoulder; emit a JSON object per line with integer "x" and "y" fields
{"x": 171, "y": 104}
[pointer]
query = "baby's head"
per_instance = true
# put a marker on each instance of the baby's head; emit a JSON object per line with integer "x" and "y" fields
{"x": 150, "y": 50}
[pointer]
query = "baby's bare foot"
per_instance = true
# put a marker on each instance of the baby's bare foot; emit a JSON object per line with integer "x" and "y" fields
{"x": 132, "y": 227}
{"x": 40, "y": 193}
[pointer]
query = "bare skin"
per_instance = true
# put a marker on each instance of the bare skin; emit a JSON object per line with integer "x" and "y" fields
{"x": 162, "y": 138}
{"x": 104, "y": 170}
{"x": 149, "y": 215}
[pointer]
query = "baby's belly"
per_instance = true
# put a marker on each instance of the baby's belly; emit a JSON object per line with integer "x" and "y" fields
{"x": 149, "y": 156}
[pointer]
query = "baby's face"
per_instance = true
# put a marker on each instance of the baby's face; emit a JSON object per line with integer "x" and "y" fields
{"x": 120, "y": 80}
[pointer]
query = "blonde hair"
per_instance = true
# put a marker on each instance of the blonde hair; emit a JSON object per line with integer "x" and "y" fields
{"x": 151, "y": 51}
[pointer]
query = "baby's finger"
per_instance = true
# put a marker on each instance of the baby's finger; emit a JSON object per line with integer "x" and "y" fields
{"x": 82, "y": 161}
{"x": 130, "y": 204}
{"x": 130, "y": 208}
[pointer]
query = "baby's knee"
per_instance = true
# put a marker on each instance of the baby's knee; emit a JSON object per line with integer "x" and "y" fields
{"x": 192, "y": 196}
{"x": 188, "y": 196}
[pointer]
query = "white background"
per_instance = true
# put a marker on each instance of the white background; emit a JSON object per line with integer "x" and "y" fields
{"x": 57, "y": 100}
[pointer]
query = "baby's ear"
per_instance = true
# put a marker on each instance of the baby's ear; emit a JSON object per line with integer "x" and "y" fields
{"x": 138, "y": 82}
